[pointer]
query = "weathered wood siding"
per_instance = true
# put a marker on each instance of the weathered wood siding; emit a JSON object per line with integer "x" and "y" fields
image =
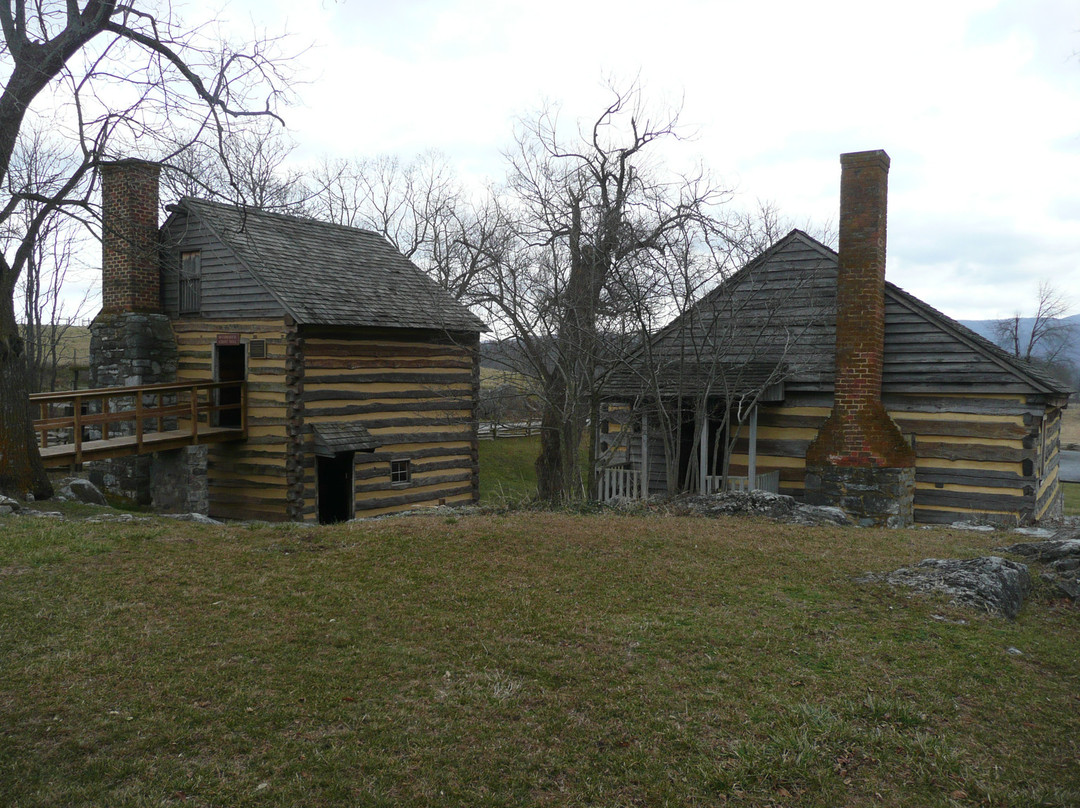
{"x": 416, "y": 392}
{"x": 1049, "y": 500}
{"x": 923, "y": 356}
{"x": 228, "y": 289}
{"x": 985, "y": 458}
{"x": 246, "y": 480}
{"x": 976, "y": 456}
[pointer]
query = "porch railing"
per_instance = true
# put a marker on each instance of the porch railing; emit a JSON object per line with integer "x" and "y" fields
{"x": 620, "y": 482}
{"x": 769, "y": 481}
{"x": 77, "y": 423}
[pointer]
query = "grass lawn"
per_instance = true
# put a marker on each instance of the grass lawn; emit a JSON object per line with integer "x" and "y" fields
{"x": 1072, "y": 498}
{"x": 508, "y": 469}
{"x": 526, "y": 659}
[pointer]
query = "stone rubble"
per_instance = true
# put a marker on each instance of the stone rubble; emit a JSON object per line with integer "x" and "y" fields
{"x": 779, "y": 507}
{"x": 1059, "y": 559}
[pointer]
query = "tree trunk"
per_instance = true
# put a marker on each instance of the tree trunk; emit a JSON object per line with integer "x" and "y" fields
{"x": 549, "y": 465}
{"x": 21, "y": 470}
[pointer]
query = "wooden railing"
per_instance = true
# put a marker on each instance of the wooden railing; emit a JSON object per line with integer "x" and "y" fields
{"x": 770, "y": 481}
{"x": 107, "y": 422}
{"x": 620, "y": 482}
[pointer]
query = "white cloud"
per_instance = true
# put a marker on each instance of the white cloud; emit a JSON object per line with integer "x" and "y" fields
{"x": 978, "y": 103}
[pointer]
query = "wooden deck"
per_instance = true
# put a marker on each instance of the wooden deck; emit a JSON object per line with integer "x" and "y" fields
{"x": 99, "y": 424}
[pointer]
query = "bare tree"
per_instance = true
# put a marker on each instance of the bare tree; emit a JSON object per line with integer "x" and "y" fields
{"x": 419, "y": 206}
{"x": 46, "y": 312}
{"x": 106, "y": 76}
{"x": 250, "y": 168}
{"x": 1044, "y": 338}
{"x": 580, "y": 218}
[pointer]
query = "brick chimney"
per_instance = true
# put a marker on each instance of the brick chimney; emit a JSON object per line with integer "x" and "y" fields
{"x": 131, "y": 339}
{"x": 130, "y": 279}
{"x": 860, "y": 460}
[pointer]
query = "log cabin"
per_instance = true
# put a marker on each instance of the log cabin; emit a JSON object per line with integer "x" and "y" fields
{"x": 362, "y": 374}
{"x": 838, "y": 388}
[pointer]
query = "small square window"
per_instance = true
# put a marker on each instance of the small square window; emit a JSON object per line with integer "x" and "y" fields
{"x": 400, "y": 472}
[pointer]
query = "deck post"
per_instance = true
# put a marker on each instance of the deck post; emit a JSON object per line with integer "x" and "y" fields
{"x": 138, "y": 421}
{"x": 751, "y": 468}
{"x": 195, "y": 413}
{"x": 77, "y": 403}
{"x": 43, "y": 410}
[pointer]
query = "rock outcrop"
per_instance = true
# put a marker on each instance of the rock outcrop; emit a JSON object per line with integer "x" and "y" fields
{"x": 77, "y": 489}
{"x": 780, "y": 507}
{"x": 991, "y": 584}
{"x": 1060, "y": 558}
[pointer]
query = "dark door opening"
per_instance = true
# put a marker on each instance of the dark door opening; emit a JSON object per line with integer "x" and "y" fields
{"x": 335, "y": 487}
{"x": 230, "y": 365}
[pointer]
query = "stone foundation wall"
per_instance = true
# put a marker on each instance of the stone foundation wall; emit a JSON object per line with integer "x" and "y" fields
{"x": 870, "y": 496}
{"x": 129, "y": 348}
{"x": 178, "y": 481}
{"x": 126, "y": 477}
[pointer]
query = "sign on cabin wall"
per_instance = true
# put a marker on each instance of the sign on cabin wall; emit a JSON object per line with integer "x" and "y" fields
{"x": 228, "y": 339}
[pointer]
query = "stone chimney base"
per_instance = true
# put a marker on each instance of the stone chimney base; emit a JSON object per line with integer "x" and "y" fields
{"x": 871, "y": 496}
{"x": 129, "y": 348}
{"x": 126, "y": 349}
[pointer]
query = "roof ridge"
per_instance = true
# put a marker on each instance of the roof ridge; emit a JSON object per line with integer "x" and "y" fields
{"x": 293, "y": 217}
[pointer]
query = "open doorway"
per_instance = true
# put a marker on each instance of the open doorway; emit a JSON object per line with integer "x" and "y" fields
{"x": 335, "y": 487}
{"x": 230, "y": 365}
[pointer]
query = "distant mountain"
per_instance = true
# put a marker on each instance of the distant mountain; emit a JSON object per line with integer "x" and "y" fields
{"x": 985, "y": 328}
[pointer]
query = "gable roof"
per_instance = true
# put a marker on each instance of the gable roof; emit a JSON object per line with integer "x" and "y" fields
{"x": 781, "y": 308}
{"x": 328, "y": 274}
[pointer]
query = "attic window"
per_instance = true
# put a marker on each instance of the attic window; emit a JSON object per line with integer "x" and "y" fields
{"x": 190, "y": 282}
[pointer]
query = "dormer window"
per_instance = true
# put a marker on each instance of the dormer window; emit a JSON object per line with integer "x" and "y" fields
{"x": 190, "y": 282}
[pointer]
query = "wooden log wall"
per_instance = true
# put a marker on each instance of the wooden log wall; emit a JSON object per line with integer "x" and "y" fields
{"x": 246, "y": 480}
{"x": 416, "y": 396}
{"x": 978, "y": 457}
{"x": 1049, "y": 501}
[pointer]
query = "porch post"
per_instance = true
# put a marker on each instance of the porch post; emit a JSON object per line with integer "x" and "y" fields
{"x": 645, "y": 454}
{"x": 751, "y": 467}
{"x": 703, "y": 456}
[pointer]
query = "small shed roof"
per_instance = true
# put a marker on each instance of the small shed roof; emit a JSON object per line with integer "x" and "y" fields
{"x": 329, "y": 274}
{"x": 335, "y": 437}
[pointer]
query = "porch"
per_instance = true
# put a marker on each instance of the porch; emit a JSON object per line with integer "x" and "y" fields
{"x": 622, "y": 482}
{"x": 630, "y": 479}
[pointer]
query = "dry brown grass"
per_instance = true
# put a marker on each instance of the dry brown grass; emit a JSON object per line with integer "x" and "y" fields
{"x": 518, "y": 659}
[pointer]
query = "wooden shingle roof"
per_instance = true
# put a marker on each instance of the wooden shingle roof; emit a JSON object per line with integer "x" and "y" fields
{"x": 781, "y": 308}
{"x": 328, "y": 274}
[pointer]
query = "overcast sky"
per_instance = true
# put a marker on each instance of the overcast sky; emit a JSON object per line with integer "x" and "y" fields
{"x": 976, "y": 101}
